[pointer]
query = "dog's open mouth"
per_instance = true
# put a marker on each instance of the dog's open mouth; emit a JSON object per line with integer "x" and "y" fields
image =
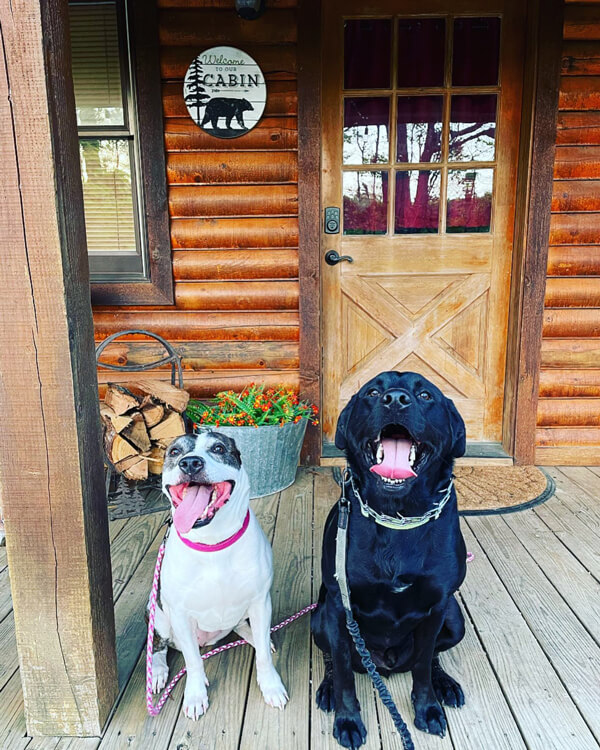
{"x": 196, "y": 504}
{"x": 395, "y": 454}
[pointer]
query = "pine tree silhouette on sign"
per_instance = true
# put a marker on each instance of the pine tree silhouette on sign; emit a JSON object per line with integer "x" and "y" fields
{"x": 195, "y": 95}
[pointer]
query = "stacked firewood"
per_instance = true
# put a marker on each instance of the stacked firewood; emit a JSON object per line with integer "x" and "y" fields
{"x": 139, "y": 422}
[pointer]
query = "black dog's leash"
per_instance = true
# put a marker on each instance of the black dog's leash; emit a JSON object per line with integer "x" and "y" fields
{"x": 352, "y": 625}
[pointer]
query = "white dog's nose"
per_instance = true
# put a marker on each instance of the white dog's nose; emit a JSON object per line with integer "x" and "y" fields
{"x": 191, "y": 465}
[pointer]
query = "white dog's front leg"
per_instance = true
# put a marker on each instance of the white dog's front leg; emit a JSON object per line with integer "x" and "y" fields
{"x": 268, "y": 679}
{"x": 195, "y": 696}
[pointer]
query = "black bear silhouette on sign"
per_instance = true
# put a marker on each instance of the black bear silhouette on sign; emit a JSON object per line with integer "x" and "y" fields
{"x": 222, "y": 106}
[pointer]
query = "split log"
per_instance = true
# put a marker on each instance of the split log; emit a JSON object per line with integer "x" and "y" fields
{"x": 156, "y": 457}
{"x": 152, "y": 412}
{"x": 119, "y": 422}
{"x": 137, "y": 434}
{"x": 133, "y": 467}
{"x": 169, "y": 429}
{"x": 120, "y": 399}
{"x": 168, "y": 394}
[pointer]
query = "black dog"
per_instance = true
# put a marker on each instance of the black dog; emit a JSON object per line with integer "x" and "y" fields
{"x": 400, "y": 435}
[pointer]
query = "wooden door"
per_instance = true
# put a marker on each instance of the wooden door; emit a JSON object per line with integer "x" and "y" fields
{"x": 421, "y": 115}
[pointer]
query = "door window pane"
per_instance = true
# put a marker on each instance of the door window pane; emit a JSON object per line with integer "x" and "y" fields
{"x": 476, "y": 51}
{"x": 472, "y": 128}
{"x": 421, "y": 50}
{"x": 367, "y": 53}
{"x": 417, "y": 201}
{"x": 96, "y": 65}
{"x": 107, "y": 195}
{"x": 469, "y": 200}
{"x": 366, "y": 139}
{"x": 365, "y": 202}
{"x": 419, "y": 126}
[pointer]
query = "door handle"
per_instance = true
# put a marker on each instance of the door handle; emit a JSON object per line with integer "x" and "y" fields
{"x": 332, "y": 258}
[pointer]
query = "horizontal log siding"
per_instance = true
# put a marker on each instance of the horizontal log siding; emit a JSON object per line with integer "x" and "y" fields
{"x": 233, "y": 207}
{"x": 569, "y": 404}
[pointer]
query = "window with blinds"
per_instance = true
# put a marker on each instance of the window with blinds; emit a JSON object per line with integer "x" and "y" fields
{"x": 107, "y": 140}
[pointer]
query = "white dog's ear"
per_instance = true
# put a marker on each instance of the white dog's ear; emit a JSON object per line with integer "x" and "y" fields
{"x": 342, "y": 424}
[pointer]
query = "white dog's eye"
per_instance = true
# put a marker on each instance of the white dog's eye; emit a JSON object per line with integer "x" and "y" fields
{"x": 425, "y": 395}
{"x": 218, "y": 448}
{"x": 174, "y": 452}
{"x": 373, "y": 392}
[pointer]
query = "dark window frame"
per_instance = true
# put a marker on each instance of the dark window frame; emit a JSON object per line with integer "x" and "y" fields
{"x": 143, "y": 117}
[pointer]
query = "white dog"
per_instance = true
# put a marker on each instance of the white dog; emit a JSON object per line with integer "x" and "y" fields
{"x": 217, "y": 569}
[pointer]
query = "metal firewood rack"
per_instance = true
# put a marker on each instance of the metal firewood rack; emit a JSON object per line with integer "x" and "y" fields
{"x": 128, "y": 497}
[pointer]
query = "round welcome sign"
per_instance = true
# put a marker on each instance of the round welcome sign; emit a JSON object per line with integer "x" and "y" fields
{"x": 225, "y": 92}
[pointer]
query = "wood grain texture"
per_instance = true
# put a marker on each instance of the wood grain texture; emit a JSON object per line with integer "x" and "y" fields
{"x": 570, "y": 353}
{"x": 271, "y": 134}
{"x": 581, "y": 58}
{"x": 567, "y": 291}
{"x": 582, "y": 22}
{"x": 205, "y": 326}
{"x": 232, "y": 167}
{"x": 575, "y": 260}
{"x": 282, "y": 99}
{"x": 575, "y": 229}
{"x": 209, "y": 28}
{"x": 576, "y": 195}
{"x": 211, "y": 355}
{"x": 233, "y": 200}
{"x": 270, "y": 231}
{"x": 568, "y": 436}
{"x": 579, "y": 93}
{"x": 569, "y": 412}
{"x": 561, "y": 323}
{"x": 566, "y": 455}
{"x": 577, "y": 162}
{"x": 57, "y": 546}
{"x": 568, "y": 383}
{"x": 581, "y": 128}
{"x": 221, "y": 265}
{"x": 231, "y": 295}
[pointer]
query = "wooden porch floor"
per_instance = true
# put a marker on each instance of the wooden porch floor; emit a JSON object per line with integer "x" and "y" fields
{"x": 530, "y": 662}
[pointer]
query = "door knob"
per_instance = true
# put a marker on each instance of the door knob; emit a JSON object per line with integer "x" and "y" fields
{"x": 332, "y": 258}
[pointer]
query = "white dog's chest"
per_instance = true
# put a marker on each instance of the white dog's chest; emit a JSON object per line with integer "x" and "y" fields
{"x": 214, "y": 590}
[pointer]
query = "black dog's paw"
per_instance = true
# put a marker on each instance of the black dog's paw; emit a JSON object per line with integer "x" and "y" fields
{"x": 448, "y": 691}
{"x": 430, "y": 718}
{"x": 325, "y": 697}
{"x": 349, "y": 731}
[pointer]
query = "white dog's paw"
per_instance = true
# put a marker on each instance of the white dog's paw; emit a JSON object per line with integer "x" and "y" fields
{"x": 160, "y": 672}
{"x": 273, "y": 690}
{"x": 195, "y": 703}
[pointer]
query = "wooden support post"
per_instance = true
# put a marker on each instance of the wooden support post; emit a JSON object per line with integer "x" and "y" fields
{"x": 50, "y": 460}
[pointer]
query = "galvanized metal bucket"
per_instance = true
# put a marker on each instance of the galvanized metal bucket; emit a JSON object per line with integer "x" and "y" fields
{"x": 269, "y": 453}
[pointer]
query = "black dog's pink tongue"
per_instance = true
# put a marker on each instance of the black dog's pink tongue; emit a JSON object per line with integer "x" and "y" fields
{"x": 395, "y": 464}
{"x": 193, "y": 503}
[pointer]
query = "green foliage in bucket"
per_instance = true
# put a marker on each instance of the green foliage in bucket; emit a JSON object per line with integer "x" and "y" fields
{"x": 255, "y": 406}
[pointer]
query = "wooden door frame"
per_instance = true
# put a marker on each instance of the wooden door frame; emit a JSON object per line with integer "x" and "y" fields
{"x": 532, "y": 221}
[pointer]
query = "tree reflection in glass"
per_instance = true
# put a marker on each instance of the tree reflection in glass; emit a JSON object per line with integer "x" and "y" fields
{"x": 365, "y": 202}
{"x": 419, "y": 126}
{"x": 417, "y": 201}
{"x": 472, "y": 127}
{"x": 366, "y": 139}
{"x": 469, "y": 200}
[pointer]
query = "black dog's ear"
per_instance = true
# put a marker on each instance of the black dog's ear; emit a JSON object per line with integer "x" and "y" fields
{"x": 457, "y": 431}
{"x": 342, "y": 424}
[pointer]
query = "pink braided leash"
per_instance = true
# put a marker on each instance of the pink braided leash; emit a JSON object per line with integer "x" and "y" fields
{"x": 155, "y": 710}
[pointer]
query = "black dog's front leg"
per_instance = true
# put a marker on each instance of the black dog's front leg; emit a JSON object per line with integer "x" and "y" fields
{"x": 429, "y": 716}
{"x": 348, "y": 728}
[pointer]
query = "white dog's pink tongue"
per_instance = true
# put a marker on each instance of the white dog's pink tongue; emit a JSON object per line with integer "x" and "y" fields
{"x": 193, "y": 504}
{"x": 395, "y": 464}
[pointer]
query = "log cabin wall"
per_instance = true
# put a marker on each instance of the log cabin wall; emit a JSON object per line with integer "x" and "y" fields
{"x": 568, "y": 417}
{"x": 233, "y": 208}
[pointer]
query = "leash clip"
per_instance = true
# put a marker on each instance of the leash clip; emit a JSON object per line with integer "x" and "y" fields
{"x": 343, "y": 503}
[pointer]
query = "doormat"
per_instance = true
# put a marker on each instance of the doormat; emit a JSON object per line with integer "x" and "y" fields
{"x": 484, "y": 490}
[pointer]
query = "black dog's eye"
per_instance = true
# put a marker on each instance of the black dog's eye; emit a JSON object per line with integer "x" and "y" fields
{"x": 425, "y": 395}
{"x": 373, "y": 392}
{"x": 174, "y": 452}
{"x": 218, "y": 448}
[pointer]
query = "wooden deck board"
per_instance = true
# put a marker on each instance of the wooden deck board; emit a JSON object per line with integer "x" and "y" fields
{"x": 529, "y": 663}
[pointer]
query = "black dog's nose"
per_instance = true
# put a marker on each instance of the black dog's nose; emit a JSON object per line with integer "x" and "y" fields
{"x": 396, "y": 396}
{"x": 191, "y": 465}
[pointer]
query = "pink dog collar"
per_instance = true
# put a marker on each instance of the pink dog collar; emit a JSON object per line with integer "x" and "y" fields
{"x": 199, "y": 547}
